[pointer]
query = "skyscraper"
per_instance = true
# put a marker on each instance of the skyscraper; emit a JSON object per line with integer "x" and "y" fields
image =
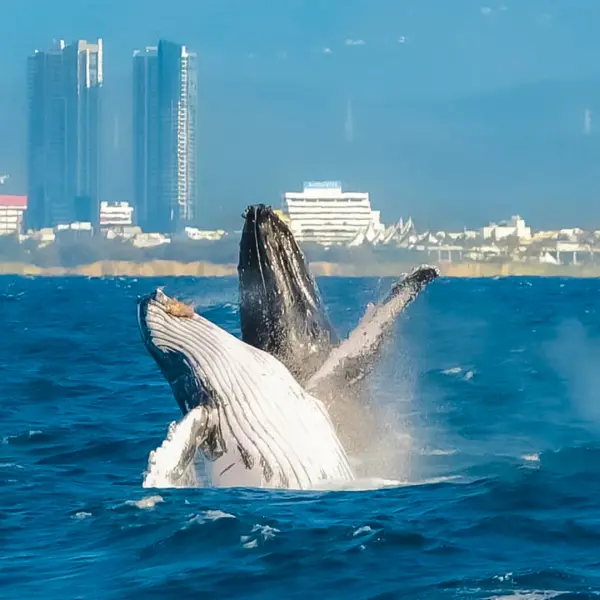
{"x": 165, "y": 104}
{"x": 63, "y": 134}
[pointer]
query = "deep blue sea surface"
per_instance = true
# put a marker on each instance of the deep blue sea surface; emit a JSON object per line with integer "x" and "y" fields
{"x": 497, "y": 387}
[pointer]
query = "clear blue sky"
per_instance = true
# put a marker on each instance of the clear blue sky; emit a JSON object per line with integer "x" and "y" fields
{"x": 463, "y": 111}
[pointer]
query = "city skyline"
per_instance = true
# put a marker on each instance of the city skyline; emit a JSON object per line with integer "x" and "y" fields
{"x": 472, "y": 115}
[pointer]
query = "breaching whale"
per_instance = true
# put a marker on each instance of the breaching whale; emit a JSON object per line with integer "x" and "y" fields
{"x": 281, "y": 308}
{"x": 254, "y": 423}
{"x": 282, "y": 312}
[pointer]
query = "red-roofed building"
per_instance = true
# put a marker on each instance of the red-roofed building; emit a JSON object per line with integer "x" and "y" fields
{"x": 11, "y": 214}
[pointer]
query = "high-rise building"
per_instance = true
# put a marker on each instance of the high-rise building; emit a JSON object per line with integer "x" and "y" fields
{"x": 165, "y": 104}
{"x": 63, "y": 134}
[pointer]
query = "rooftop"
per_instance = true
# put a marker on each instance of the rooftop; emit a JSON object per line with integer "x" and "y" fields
{"x": 10, "y": 200}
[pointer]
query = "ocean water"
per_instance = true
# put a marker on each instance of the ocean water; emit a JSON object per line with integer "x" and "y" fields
{"x": 494, "y": 386}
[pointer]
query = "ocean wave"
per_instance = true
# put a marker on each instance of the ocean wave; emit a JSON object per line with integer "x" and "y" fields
{"x": 494, "y": 495}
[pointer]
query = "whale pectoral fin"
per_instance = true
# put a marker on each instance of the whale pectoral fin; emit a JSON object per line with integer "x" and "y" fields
{"x": 369, "y": 312}
{"x": 412, "y": 283}
{"x": 185, "y": 438}
{"x": 355, "y": 357}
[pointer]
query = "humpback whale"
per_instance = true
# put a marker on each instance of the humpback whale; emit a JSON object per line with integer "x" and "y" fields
{"x": 253, "y": 422}
{"x": 281, "y": 308}
{"x": 282, "y": 312}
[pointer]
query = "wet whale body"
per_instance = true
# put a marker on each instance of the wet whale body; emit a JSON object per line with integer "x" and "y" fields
{"x": 281, "y": 308}
{"x": 282, "y": 312}
{"x": 253, "y": 423}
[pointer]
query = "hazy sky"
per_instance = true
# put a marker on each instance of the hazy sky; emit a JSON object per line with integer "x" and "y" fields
{"x": 462, "y": 111}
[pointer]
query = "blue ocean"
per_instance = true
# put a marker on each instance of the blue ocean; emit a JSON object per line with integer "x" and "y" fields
{"x": 492, "y": 386}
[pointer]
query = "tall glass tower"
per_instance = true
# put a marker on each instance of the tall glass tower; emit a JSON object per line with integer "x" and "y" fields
{"x": 64, "y": 90}
{"x": 165, "y": 106}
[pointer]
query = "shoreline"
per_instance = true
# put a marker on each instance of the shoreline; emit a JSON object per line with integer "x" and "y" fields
{"x": 170, "y": 268}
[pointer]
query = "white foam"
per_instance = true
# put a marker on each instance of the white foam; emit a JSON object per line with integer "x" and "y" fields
{"x": 82, "y": 515}
{"x": 209, "y": 515}
{"x": 528, "y": 595}
{"x": 32, "y": 433}
{"x": 215, "y": 515}
{"x": 452, "y": 371}
{"x": 434, "y": 480}
{"x": 531, "y": 457}
{"x": 439, "y": 452}
{"x": 148, "y": 502}
{"x": 259, "y": 535}
{"x": 362, "y": 484}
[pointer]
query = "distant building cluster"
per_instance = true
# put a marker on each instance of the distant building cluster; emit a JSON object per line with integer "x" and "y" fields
{"x": 64, "y": 196}
{"x": 508, "y": 241}
{"x": 64, "y": 129}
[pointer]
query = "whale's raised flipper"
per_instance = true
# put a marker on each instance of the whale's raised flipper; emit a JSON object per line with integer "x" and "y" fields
{"x": 355, "y": 357}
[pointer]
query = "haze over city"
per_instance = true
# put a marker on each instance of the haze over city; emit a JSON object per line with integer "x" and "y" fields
{"x": 452, "y": 113}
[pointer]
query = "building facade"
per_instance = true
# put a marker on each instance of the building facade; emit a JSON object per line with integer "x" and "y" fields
{"x": 12, "y": 209}
{"x": 165, "y": 105}
{"x": 118, "y": 214}
{"x": 324, "y": 214}
{"x": 514, "y": 227}
{"x": 64, "y": 91}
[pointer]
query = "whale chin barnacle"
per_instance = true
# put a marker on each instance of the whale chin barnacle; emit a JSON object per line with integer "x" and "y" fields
{"x": 176, "y": 308}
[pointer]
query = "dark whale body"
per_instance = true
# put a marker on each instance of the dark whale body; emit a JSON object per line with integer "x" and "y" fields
{"x": 282, "y": 312}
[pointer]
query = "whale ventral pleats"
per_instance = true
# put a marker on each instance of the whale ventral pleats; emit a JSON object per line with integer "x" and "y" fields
{"x": 176, "y": 308}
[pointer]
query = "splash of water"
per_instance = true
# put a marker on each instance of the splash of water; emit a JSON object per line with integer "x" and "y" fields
{"x": 383, "y": 460}
{"x": 172, "y": 464}
{"x": 576, "y": 357}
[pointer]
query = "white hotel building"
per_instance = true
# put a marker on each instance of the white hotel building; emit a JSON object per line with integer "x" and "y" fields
{"x": 324, "y": 214}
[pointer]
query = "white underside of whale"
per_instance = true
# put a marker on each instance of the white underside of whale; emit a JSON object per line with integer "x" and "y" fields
{"x": 275, "y": 434}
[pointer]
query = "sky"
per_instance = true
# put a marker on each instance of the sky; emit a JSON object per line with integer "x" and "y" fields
{"x": 462, "y": 111}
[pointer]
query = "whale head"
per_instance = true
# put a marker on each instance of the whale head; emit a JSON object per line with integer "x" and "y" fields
{"x": 158, "y": 320}
{"x": 253, "y": 422}
{"x": 281, "y": 309}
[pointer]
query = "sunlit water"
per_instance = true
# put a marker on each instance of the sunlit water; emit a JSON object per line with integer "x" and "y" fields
{"x": 491, "y": 390}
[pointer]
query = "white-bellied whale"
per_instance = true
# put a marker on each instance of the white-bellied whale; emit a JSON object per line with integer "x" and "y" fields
{"x": 254, "y": 424}
{"x": 282, "y": 312}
